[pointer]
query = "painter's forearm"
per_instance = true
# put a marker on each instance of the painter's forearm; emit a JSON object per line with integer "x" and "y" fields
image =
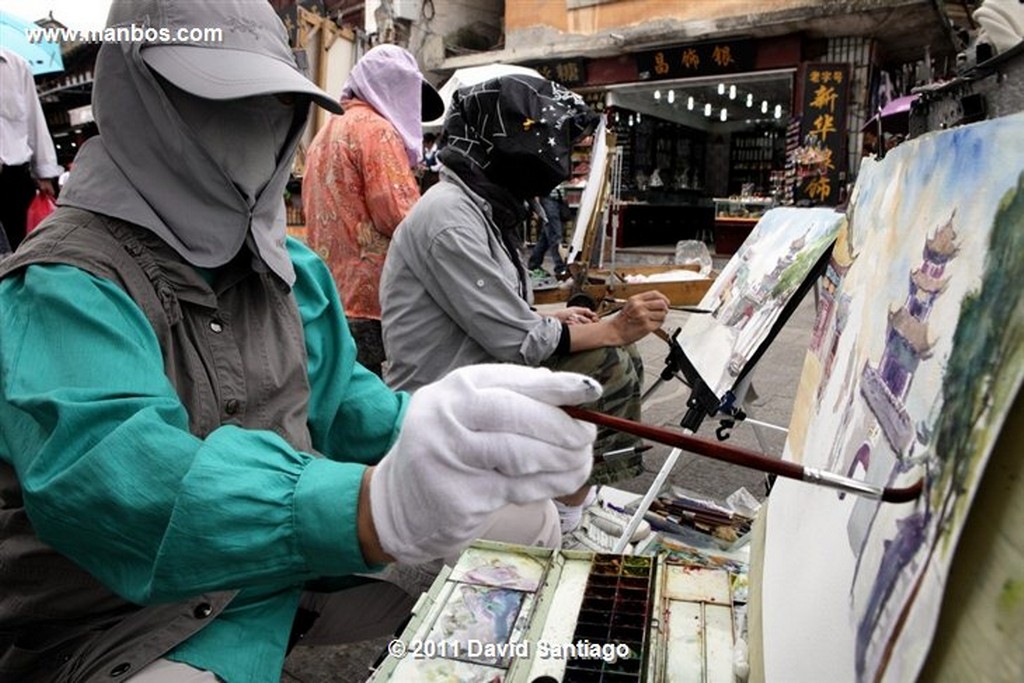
{"x": 594, "y": 336}
{"x": 369, "y": 542}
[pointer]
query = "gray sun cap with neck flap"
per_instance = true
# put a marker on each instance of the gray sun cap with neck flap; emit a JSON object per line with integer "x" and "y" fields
{"x": 195, "y": 143}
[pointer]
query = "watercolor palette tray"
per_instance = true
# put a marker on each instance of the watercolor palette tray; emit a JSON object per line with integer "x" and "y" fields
{"x": 508, "y": 613}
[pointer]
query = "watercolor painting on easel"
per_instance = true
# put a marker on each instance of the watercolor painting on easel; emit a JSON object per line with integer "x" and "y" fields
{"x": 915, "y": 359}
{"x": 753, "y": 289}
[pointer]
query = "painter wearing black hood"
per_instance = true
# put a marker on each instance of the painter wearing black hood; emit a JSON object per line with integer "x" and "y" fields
{"x": 510, "y": 139}
{"x": 453, "y": 273}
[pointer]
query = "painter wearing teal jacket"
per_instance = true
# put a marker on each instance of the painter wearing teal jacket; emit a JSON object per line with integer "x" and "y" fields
{"x": 78, "y": 355}
{"x": 186, "y": 439}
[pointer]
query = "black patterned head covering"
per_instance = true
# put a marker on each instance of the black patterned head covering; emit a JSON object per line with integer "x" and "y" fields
{"x": 517, "y": 130}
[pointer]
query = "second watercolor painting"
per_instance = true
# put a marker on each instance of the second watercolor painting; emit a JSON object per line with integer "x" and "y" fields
{"x": 752, "y": 292}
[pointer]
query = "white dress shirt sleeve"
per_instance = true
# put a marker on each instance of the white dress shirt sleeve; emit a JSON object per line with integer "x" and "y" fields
{"x": 24, "y": 136}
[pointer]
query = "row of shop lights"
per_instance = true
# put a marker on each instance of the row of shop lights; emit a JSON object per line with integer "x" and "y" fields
{"x": 723, "y": 114}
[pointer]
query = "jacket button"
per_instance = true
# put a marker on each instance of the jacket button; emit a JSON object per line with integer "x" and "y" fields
{"x": 202, "y": 610}
{"x": 120, "y": 670}
{"x": 217, "y": 326}
{"x": 231, "y": 406}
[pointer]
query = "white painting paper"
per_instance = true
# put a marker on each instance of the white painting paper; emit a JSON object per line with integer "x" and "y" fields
{"x": 915, "y": 359}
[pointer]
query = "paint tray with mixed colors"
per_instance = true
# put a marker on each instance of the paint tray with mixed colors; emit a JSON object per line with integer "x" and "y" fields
{"x": 512, "y": 614}
{"x": 473, "y": 620}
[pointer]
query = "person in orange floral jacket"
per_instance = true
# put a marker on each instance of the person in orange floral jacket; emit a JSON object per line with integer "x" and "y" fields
{"x": 359, "y": 181}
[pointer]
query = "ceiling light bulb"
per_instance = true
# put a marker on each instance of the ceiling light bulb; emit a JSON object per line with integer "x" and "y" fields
{"x": 721, "y": 88}
{"x": 778, "y": 111}
{"x": 638, "y": 117}
{"x": 750, "y": 100}
{"x": 631, "y": 119}
{"x": 732, "y": 92}
{"x": 671, "y": 96}
{"x": 689, "y": 103}
{"x": 657, "y": 94}
{"x": 722, "y": 115}
{"x": 707, "y": 109}
{"x": 764, "y": 106}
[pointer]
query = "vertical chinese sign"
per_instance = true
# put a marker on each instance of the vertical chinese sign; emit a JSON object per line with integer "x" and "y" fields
{"x": 821, "y": 156}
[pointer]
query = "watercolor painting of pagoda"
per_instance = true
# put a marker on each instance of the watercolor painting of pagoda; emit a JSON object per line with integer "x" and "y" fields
{"x": 753, "y": 289}
{"x": 914, "y": 361}
{"x": 884, "y": 388}
{"x": 906, "y": 343}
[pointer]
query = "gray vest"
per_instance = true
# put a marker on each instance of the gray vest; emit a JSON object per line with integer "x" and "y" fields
{"x": 235, "y": 353}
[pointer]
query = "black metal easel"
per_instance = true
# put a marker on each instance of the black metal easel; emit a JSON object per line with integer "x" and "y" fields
{"x": 703, "y": 402}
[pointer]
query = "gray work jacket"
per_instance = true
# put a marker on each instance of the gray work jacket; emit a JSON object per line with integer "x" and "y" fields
{"x": 449, "y": 293}
{"x": 58, "y": 623}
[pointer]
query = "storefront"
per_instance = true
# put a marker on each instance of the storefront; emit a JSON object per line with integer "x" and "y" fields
{"x": 689, "y": 145}
{"x": 66, "y": 98}
{"x": 709, "y": 136}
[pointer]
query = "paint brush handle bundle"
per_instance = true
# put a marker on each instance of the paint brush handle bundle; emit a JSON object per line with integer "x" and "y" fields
{"x": 670, "y": 511}
{"x": 701, "y": 505}
{"x": 748, "y": 458}
{"x": 696, "y": 514}
{"x": 668, "y": 518}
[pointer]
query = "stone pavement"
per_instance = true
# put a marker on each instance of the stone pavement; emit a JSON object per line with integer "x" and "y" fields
{"x": 774, "y": 381}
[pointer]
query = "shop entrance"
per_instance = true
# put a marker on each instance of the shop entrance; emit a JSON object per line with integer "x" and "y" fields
{"x": 700, "y": 156}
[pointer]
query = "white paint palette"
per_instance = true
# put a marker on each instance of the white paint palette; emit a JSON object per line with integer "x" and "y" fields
{"x": 510, "y": 613}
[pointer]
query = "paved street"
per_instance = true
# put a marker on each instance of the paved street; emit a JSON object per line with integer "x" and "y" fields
{"x": 774, "y": 380}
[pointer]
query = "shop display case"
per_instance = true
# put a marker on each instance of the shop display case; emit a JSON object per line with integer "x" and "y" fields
{"x": 742, "y": 207}
{"x": 572, "y": 189}
{"x": 735, "y": 217}
{"x": 666, "y": 218}
{"x": 753, "y": 156}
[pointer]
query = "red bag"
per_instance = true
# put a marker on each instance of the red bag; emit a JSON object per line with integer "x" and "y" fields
{"x": 41, "y": 206}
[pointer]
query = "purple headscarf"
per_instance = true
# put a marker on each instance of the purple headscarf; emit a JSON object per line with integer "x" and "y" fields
{"x": 389, "y": 80}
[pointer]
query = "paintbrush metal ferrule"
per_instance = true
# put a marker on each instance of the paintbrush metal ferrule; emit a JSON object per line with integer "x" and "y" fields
{"x": 835, "y": 481}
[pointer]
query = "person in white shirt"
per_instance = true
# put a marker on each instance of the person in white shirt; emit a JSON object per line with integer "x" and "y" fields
{"x": 26, "y": 149}
{"x": 63, "y": 178}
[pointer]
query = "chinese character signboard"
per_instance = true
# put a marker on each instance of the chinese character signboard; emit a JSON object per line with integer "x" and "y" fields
{"x": 820, "y": 158}
{"x": 703, "y": 59}
{"x": 570, "y": 72}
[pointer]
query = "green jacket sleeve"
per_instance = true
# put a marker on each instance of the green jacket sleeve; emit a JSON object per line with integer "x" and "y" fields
{"x": 353, "y": 415}
{"x": 112, "y": 478}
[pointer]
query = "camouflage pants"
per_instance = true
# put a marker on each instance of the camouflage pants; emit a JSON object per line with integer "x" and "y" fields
{"x": 620, "y": 371}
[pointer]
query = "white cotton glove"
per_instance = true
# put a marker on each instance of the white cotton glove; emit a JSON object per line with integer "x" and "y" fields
{"x": 478, "y": 439}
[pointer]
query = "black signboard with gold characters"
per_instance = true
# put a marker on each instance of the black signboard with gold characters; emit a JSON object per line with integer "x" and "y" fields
{"x": 820, "y": 158}
{"x": 700, "y": 59}
{"x": 568, "y": 72}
